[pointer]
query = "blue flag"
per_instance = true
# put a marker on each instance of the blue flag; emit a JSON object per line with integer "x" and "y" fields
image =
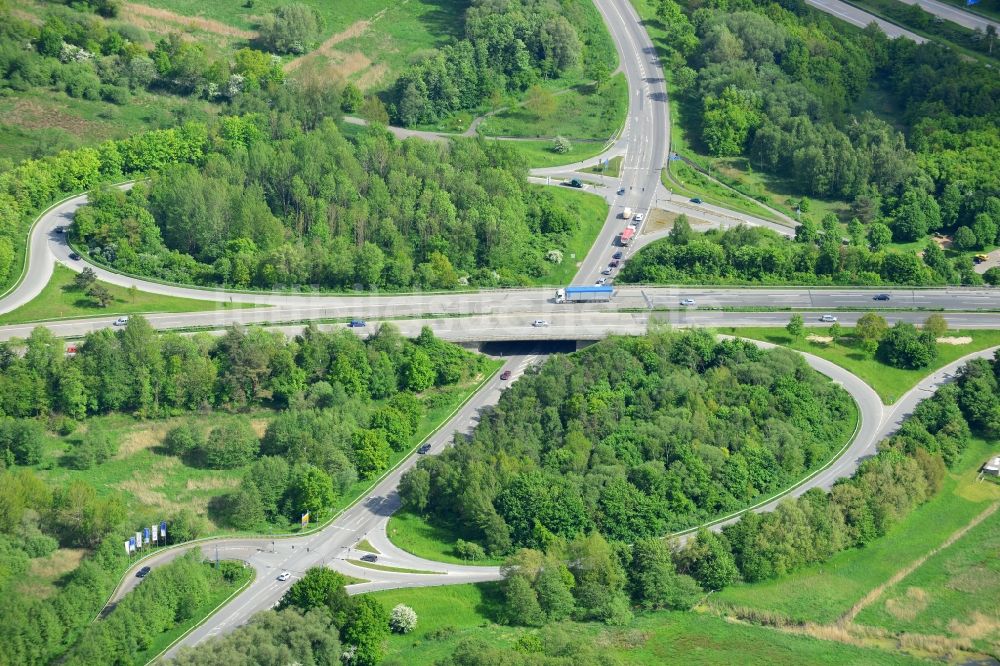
{"x": 163, "y": 530}
{"x": 145, "y": 534}
{"x": 971, "y": 2}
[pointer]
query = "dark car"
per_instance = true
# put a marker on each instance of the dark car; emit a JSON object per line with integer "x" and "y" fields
{"x": 505, "y": 374}
{"x": 696, "y": 200}
{"x": 881, "y": 297}
{"x": 141, "y": 573}
{"x": 615, "y": 263}
{"x": 621, "y": 190}
{"x": 74, "y": 256}
{"x": 357, "y": 323}
{"x": 575, "y": 183}
{"x": 424, "y": 449}
{"x": 369, "y": 558}
{"x": 617, "y": 255}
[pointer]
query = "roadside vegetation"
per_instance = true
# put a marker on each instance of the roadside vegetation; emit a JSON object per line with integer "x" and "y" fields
{"x": 240, "y": 433}
{"x": 619, "y": 439}
{"x": 818, "y": 256}
{"x": 743, "y": 105}
{"x": 68, "y": 296}
{"x": 848, "y": 349}
{"x": 398, "y": 215}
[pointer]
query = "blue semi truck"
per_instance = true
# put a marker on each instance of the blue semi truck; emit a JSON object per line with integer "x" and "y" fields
{"x": 595, "y": 294}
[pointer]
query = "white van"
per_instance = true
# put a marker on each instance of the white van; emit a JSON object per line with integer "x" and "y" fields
{"x": 121, "y": 321}
{"x": 627, "y": 214}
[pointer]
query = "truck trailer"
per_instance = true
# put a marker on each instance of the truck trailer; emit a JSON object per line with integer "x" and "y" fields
{"x": 626, "y": 237}
{"x": 595, "y": 294}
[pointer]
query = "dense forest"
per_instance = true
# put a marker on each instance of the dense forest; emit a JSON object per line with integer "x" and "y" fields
{"x": 587, "y": 577}
{"x": 755, "y": 255}
{"x": 314, "y": 208}
{"x": 782, "y": 86}
{"x": 634, "y": 437}
{"x": 507, "y": 47}
{"x": 345, "y": 406}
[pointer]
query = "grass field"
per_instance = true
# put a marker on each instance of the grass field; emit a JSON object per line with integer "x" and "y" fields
{"x": 449, "y": 615}
{"x": 385, "y": 567}
{"x": 579, "y": 112}
{"x": 612, "y": 170}
{"x": 61, "y": 300}
{"x": 220, "y": 591}
{"x": 694, "y": 183}
{"x": 415, "y": 535}
{"x": 591, "y": 212}
{"x": 823, "y": 592}
{"x": 890, "y": 383}
{"x": 540, "y": 154}
{"x": 956, "y": 593}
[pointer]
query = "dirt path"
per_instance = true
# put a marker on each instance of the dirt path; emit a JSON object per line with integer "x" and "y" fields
{"x": 867, "y": 600}
{"x": 326, "y": 49}
{"x": 148, "y": 17}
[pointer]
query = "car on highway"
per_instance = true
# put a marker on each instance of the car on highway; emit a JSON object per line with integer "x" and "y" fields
{"x": 60, "y": 230}
{"x": 424, "y": 449}
{"x": 284, "y": 575}
{"x": 601, "y": 282}
{"x": 621, "y": 190}
{"x": 357, "y": 323}
{"x": 828, "y": 318}
{"x": 696, "y": 200}
{"x": 575, "y": 182}
{"x": 370, "y": 557}
{"x": 143, "y": 572}
{"x": 121, "y": 321}
{"x": 614, "y": 263}
{"x": 617, "y": 255}
{"x": 606, "y": 271}
{"x": 539, "y": 323}
{"x": 881, "y": 297}
{"x": 505, "y": 375}
{"x": 687, "y": 301}
{"x": 639, "y": 217}
{"x": 74, "y": 256}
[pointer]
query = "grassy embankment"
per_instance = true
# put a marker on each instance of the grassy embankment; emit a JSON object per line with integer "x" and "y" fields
{"x": 590, "y": 213}
{"x": 822, "y": 593}
{"x": 449, "y": 615}
{"x": 60, "y": 299}
{"x": 890, "y": 383}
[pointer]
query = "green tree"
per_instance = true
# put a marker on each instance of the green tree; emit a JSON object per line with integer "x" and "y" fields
{"x": 708, "y": 560}
{"x": 836, "y": 331}
{"x": 871, "y": 328}
{"x": 965, "y": 238}
{"x": 418, "y": 372}
{"x": 553, "y": 587}
{"x": 366, "y": 628}
{"x": 795, "y": 326}
{"x": 231, "y": 445}
{"x": 319, "y": 587}
{"x": 936, "y": 325}
{"x": 311, "y": 489}
{"x": 653, "y": 580}
{"x": 521, "y": 602}
{"x": 371, "y": 452}
{"x": 290, "y": 28}
{"x": 84, "y": 278}
{"x": 100, "y": 294}
{"x": 879, "y": 236}
{"x": 904, "y": 347}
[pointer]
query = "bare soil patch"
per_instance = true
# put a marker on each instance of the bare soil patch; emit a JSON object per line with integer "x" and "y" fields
{"x": 32, "y": 114}
{"x": 819, "y": 339}
{"x": 953, "y": 340}
{"x": 135, "y": 12}
{"x": 216, "y": 483}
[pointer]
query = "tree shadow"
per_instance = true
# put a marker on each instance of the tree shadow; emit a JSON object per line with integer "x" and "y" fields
{"x": 445, "y": 20}
{"x": 491, "y": 604}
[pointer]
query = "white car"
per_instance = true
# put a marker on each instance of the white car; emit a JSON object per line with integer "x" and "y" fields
{"x": 828, "y": 318}
{"x": 639, "y": 217}
{"x": 121, "y": 321}
{"x": 284, "y": 575}
{"x": 687, "y": 301}
{"x": 601, "y": 281}
{"x": 539, "y": 323}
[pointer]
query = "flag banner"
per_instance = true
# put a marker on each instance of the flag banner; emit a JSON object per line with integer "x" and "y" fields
{"x": 145, "y": 534}
{"x": 156, "y": 530}
{"x": 163, "y": 530}
{"x": 127, "y": 551}
{"x": 138, "y": 539}
{"x": 131, "y": 544}
{"x": 305, "y": 519}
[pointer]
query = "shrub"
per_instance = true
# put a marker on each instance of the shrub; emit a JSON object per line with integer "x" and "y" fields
{"x": 469, "y": 550}
{"x": 231, "y": 445}
{"x": 290, "y": 28}
{"x": 403, "y": 619}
